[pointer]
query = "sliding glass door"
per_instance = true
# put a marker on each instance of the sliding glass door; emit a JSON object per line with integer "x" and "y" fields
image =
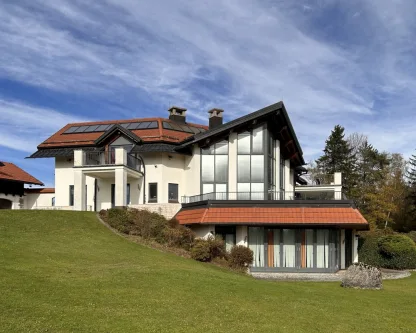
{"x": 309, "y": 250}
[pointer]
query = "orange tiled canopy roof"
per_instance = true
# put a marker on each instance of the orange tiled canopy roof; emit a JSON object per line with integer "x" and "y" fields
{"x": 160, "y": 134}
{"x": 272, "y": 215}
{"x": 9, "y": 171}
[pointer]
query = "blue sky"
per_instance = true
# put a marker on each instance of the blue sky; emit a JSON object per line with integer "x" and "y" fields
{"x": 331, "y": 62}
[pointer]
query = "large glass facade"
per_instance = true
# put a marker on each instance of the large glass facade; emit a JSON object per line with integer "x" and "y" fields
{"x": 313, "y": 250}
{"x": 214, "y": 170}
{"x": 250, "y": 164}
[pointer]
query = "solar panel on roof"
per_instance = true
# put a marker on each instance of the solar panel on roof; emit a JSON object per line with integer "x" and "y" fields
{"x": 81, "y": 129}
{"x": 153, "y": 124}
{"x": 103, "y": 128}
{"x": 144, "y": 125}
{"x": 91, "y": 128}
{"x": 166, "y": 125}
{"x": 133, "y": 126}
{"x": 71, "y": 129}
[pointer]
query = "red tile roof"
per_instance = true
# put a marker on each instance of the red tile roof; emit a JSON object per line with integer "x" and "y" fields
{"x": 159, "y": 134}
{"x": 40, "y": 190}
{"x": 9, "y": 171}
{"x": 272, "y": 215}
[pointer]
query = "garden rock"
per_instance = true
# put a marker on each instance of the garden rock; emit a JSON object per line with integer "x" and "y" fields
{"x": 362, "y": 276}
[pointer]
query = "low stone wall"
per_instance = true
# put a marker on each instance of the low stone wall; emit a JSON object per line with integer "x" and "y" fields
{"x": 167, "y": 210}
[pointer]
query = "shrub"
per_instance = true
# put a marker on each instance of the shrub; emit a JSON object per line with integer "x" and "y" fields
{"x": 180, "y": 236}
{"x": 398, "y": 251}
{"x": 119, "y": 219}
{"x": 362, "y": 276}
{"x": 412, "y": 235}
{"x": 392, "y": 251}
{"x": 201, "y": 250}
{"x": 216, "y": 247}
{"x": 240, "y": 256}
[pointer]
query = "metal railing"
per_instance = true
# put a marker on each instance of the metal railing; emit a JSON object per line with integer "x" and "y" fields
{"x": 271, "y": 195}
{"x": 134, "y": 163}
{"x": 96, "y": 158}
{"x": 99, "y": 158}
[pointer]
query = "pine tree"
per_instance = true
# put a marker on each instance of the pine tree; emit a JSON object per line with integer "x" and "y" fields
{"x": 338, "y": 157}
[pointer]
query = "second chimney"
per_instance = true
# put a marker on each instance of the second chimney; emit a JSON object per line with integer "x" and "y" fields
{"x": 177, "y": 114}
{"x": 215, "y": 117}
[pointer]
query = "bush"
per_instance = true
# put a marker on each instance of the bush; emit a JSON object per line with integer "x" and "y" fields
{"x": 217, "y": 247}
{"x": 240, "y": 256}
{"x": 362, "y": 276}
{"x": 201, "y": 250}
{"x": 208, "y": 249}
{"x": 412, "y": 235}
{"x": 391, "y": 251}
{"x": 179, "y": 237}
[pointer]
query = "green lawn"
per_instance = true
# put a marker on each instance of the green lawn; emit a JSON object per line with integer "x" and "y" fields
{"x": 65, "y": 272}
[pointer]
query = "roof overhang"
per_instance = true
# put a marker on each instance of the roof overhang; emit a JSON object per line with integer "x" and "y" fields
{"x": 293, "y": 213}
{"x": 275, "y": 115}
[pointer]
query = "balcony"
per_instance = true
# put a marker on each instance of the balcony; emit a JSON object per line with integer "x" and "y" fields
{"x": 270, "y": 196}
{"x": 106, "y": 159}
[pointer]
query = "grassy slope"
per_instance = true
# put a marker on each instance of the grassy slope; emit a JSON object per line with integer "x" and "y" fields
{"x": 65, "y": 272}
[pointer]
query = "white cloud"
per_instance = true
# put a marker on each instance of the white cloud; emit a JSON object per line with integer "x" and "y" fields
{"x": 239, "y": 55}
{"x": 23, "y": 127}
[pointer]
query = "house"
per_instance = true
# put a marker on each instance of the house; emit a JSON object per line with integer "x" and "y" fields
{"x": 241, "y": 180}
{"x": 13, "y": 194}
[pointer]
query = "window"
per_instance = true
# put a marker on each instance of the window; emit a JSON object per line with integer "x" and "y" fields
{"x": 214, "y": 169}
{"x": 128, "y": 195}
{"x": 71, "y": 195}
{"x": 251, "y": 164}
{"x": 152, "y": 192}
{"x": 173, "y": 192}
{"x": 53, "y": 201}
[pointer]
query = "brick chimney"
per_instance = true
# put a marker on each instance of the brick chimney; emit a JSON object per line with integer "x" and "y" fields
{"x": 215, "y": 117}
{"x": 177, "y": 114}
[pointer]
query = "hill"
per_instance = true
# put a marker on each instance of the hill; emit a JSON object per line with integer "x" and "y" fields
{"x": 65, "y": 272}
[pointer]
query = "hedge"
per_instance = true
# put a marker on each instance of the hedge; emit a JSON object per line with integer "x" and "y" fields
{"x": 396, "y": 251}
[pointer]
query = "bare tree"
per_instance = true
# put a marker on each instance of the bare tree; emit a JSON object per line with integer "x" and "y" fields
{"x": 356, "y": 141}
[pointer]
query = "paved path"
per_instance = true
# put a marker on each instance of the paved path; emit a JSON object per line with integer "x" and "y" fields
{"x": 323, "y": 277}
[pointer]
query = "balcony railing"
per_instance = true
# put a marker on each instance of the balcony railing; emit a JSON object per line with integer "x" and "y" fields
{"x": 106, "y": 158}
{"x": 274, "y": 195}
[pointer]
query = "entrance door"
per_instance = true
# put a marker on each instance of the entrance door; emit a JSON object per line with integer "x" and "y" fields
{"x": 348, "y": 248}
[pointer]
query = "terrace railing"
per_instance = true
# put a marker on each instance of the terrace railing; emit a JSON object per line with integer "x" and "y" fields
{"x": 105, "y": 158}
{"x": 272, "y": 195}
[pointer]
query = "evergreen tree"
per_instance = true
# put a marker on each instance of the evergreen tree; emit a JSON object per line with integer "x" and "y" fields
{"x": 338, "y": 157}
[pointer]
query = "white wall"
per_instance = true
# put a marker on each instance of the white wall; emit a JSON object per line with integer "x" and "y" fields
{"x": 17, "y": 202}
{"x": 64, "y": 176}
{"x": 33, "y": 200}
{"x": 203, "y": 230}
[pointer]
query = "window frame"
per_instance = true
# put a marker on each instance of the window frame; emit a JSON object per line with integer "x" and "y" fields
{"x": 177, "y": 193}
{"x": 71, "y": 195}
{"x": 264, "y": 153}
{"x": 212, "y": 151}
{"x": 150, "y": 200}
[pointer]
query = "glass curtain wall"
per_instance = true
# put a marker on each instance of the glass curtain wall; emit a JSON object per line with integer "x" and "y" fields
{"x": 295, "y": 249}
{"x": 256, "y": 244}
{"x": 214, "y": 171}
{"x": 250, "y": 164}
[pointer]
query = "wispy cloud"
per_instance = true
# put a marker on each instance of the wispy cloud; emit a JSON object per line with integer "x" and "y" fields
{"x": 23, "y": 126}
{"x": 330, "y": 61}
